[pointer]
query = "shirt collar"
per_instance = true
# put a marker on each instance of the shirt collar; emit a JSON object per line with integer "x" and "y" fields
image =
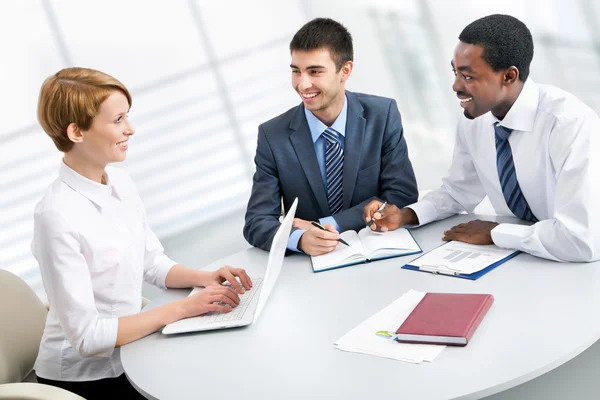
{"x": 96, "y": 192}
{"x": 317, "y": 127}
{"x": 521, "y": 115}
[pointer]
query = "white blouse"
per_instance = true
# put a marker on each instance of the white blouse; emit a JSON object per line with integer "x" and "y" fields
{"x": 94, "y": 246}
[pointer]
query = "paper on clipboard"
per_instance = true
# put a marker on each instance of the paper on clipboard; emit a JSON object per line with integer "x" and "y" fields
{"x": 455, "y": 258}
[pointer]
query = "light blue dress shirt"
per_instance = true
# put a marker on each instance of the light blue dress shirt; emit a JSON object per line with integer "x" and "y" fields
{"x": 316, "y": 129}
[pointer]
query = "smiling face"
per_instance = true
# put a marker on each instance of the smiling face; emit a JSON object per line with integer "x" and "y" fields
{"x": 106, "y": 140}
{"x": 480, "y": 88}
{"x": 320, "y": 86}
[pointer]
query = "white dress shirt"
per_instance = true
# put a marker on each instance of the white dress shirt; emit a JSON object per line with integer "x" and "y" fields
{"x": 556, "y": 154}
{"x": 94, "y": 247}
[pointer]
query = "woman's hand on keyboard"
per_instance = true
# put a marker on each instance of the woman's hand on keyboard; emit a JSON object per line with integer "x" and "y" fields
{"x": 212, "y": 298}
{"x": 229, "y": 274}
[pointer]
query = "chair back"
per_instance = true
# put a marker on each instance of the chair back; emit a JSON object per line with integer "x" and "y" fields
{"x": 35, "y": 391}
{"x": 22, "y": 321}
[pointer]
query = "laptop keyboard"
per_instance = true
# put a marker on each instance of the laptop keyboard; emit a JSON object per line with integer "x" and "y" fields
{"x": 239, "y": 311}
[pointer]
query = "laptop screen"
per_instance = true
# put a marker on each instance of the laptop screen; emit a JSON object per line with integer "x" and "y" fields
{"x": 276, "y": 255}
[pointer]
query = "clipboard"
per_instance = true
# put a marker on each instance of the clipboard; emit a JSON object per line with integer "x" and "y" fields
{"x": 443, "y": 269}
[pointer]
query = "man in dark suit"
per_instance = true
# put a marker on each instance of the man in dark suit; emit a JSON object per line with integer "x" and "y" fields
{"x": 336, "y": 151}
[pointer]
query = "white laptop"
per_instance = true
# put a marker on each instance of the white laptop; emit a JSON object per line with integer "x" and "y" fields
{"x": 252, "y": 301}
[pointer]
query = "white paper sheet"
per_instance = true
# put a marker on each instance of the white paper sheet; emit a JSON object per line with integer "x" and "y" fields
{"x": 364, "y": 338}
{"x": 458, "y": 257}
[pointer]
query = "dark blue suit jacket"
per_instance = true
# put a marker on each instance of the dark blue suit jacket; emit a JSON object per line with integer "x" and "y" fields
{"x": 376, "y": 165}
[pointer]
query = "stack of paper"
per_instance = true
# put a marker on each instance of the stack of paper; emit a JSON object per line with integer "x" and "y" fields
{"x": 365, "y": 338}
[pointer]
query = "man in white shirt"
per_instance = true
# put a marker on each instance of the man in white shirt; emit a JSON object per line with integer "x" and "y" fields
{"x": 532, "y": 149}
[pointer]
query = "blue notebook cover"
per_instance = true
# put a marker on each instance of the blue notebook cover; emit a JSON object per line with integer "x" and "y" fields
{"x": 473, "y": 276}
{"x": 373, "y": 259}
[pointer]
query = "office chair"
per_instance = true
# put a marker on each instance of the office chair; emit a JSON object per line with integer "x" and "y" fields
{"x": 22, "y": 317}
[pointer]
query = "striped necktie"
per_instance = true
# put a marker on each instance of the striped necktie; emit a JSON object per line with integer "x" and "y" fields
{"x": 334, "y": 160}
{"x": 508, "y": 176}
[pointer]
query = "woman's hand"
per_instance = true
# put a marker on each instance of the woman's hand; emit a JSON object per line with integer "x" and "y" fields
{"x": 229, "y": 274}
{"x": 212, "y": 298}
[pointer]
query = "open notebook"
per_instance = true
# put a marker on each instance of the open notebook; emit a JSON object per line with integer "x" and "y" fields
{"x": 365, "y": 246}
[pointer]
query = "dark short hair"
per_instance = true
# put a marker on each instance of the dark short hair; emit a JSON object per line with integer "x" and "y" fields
{"x": 506, "y": 42}
{"x": 325, "y": 33}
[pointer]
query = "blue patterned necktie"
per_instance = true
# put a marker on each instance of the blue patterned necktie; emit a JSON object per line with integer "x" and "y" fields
{"x": 334, "y": 160}
{"x": 508, "y": 176}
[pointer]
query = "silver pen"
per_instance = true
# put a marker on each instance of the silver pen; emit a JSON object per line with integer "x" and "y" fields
{"x": 373, "y": 217}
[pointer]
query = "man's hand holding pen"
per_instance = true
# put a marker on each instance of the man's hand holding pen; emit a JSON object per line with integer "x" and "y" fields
{"x": 321, "y": 227}
{"x": 316, "y": 241}
{"x": 385, "y": 217}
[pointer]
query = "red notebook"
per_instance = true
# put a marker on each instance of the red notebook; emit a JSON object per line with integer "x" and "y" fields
{"x": 445, "y": 318}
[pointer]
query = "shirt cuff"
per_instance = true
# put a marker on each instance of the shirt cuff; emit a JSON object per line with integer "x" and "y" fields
{"x": 104, "y": 339}
{"x": 425, "y": 210}
{"x": 330, "y": 221}
{"x": 293, "y": 240}
{"x": 510, "y": 236}
{"x": 163, "y": 266}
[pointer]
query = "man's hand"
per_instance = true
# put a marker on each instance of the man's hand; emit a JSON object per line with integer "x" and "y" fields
{"x": 229, "y": 274}
{"x": 303, "y": 224}
{"x": 474, "y": 232}
{"x": 315, "y": 241}
{"x": 390, "y": 218}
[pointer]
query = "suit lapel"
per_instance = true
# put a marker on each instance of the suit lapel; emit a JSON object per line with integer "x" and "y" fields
{"x": 355, "y": 135}
{"x": 305, "y": 151}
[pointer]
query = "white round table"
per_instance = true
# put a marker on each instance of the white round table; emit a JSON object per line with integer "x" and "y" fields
{"x": 544, "y": 314}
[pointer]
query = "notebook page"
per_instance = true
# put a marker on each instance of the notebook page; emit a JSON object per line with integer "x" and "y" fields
{"x": 342, "y": 254}
{"x": 381, "y": 244}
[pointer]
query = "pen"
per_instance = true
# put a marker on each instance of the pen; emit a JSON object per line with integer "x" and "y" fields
{"x": 318, "y": 225}
{"x": 373, "y": 218}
